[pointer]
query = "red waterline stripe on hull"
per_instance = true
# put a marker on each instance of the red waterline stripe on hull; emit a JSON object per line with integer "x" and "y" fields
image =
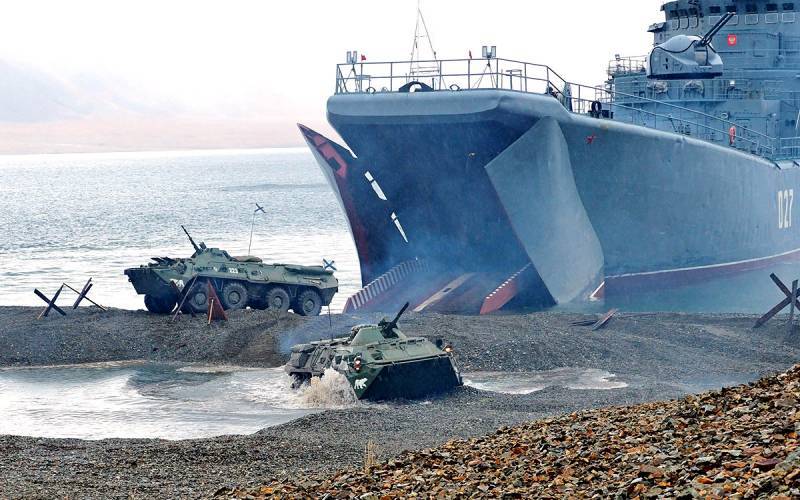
{"x": 689, "y": 275}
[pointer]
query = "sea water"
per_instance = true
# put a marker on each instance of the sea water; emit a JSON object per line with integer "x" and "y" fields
{"x": 144, "y": 401}
{"x": 174, "y": 401}
{"x": 69, "y": 217}
{"x": 148, "y": 400}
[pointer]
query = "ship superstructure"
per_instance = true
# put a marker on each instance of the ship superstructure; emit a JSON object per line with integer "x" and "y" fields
{"x": 758, "y": 88}
{"x": 495, "y": 183}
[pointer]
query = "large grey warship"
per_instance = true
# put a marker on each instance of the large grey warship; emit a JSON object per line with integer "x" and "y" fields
{"x": 475, "y": 185}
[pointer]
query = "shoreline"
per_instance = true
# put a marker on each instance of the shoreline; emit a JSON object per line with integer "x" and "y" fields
{"x": 661, "y": 356}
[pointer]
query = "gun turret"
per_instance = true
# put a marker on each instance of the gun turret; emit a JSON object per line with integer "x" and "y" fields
{"x": 685, "y": 57}
{"x": 197, "y": 249}
{"x": 387, "y": 328}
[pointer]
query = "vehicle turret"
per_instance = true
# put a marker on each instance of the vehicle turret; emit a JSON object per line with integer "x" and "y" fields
{"x": 388, "y": 327}
{"x": 197, "y": 248}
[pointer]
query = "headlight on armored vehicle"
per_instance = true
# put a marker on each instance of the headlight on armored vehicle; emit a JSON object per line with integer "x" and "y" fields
{"x": 448, "y": 349}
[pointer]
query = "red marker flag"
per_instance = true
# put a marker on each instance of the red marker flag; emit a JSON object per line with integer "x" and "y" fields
{"x": 363, "y": 58}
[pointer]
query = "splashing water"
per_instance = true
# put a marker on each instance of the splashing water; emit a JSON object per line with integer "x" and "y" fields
{"x": 118, "y": 400}
{"x": 167, "y": 401}
{"x": 332, "y": 390}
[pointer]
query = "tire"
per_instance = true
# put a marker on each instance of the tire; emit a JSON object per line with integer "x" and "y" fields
{"x": 158, "y": 305}
{"x": 309, "y": 303}
{"x": 197, "y": 300}
{"x": 278, "y": 299}
{"x": 234, "y": 296}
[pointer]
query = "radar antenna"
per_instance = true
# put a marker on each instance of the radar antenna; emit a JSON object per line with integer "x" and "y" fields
{"x": 429, "y": 64}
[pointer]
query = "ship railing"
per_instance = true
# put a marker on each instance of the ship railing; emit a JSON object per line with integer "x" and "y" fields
{"x": 446, "y": 74}
{"x": 789, "y": 148}
{"x": 519, "y": 76}
{"x": 668, "y": 117}
{"x": 627, "y": 65}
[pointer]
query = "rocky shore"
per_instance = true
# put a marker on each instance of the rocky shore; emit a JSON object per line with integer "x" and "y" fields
{"x": 702, "y": 349}
{"x": 736, "y": 443}
{"x": 659, "y": 357}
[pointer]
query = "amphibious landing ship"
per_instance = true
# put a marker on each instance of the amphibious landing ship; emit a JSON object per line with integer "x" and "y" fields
{"x": 477, "y": 185}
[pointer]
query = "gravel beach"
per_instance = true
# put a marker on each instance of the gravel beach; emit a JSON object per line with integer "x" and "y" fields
{"x": 740, "y": 442}
{"x": 659, "y": 356}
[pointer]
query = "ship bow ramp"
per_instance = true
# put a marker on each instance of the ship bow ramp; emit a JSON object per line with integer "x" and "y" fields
{"x": 458, "y": 203}
{"x": 535, "y": 184}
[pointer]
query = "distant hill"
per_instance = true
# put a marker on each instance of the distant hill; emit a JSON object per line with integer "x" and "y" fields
{"x": 41, "y": 112}
{"x": 30, "y": 95}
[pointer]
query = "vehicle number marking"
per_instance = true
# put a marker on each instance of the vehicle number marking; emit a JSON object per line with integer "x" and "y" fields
{"x": 785, "y": 208}
{"x": 233, "y": 271}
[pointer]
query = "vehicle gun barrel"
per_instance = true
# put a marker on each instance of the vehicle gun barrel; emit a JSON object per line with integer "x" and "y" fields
{"x": 197, "y": 249}
{"x": 388, "y": 327}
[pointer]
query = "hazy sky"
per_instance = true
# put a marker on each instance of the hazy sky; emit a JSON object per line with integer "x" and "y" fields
{"x": 242, "y": 72}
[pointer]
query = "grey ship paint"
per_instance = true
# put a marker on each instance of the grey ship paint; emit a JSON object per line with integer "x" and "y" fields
{"x": 486, "y": 184}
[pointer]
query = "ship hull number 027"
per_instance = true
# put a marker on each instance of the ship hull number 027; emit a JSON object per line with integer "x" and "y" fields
{"x": 785, "y": 206}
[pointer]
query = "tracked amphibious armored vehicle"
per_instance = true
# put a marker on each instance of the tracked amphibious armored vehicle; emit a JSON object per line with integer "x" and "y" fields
{"x": 239, "y": 281}
{"x": 380, "y": 362}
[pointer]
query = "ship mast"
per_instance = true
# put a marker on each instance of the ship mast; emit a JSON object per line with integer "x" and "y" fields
{"x": 429, "y": 64}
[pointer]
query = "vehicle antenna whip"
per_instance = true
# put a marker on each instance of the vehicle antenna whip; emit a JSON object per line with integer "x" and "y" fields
{"x": 259, "y": 208}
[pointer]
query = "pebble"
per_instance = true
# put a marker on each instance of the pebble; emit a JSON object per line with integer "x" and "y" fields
{"x": 662, "y": 356}
{"x": 513, "y": 462}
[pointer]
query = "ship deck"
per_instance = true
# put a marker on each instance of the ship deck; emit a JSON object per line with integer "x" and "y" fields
{"x": 602, "y": 102}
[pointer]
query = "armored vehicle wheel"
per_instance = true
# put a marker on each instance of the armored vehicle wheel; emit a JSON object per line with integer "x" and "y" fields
{"x": 309, "y": 303}
{"x": 158, "y": 305}
{"x": 234, "y": 296}
{"x": 278, "y": 299}
{"x": 197, "y": 300}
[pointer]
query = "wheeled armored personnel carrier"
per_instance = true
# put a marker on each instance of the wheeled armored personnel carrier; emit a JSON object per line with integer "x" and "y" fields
{"x": 239, "y": 281}
{"x": 380, "y": 362}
